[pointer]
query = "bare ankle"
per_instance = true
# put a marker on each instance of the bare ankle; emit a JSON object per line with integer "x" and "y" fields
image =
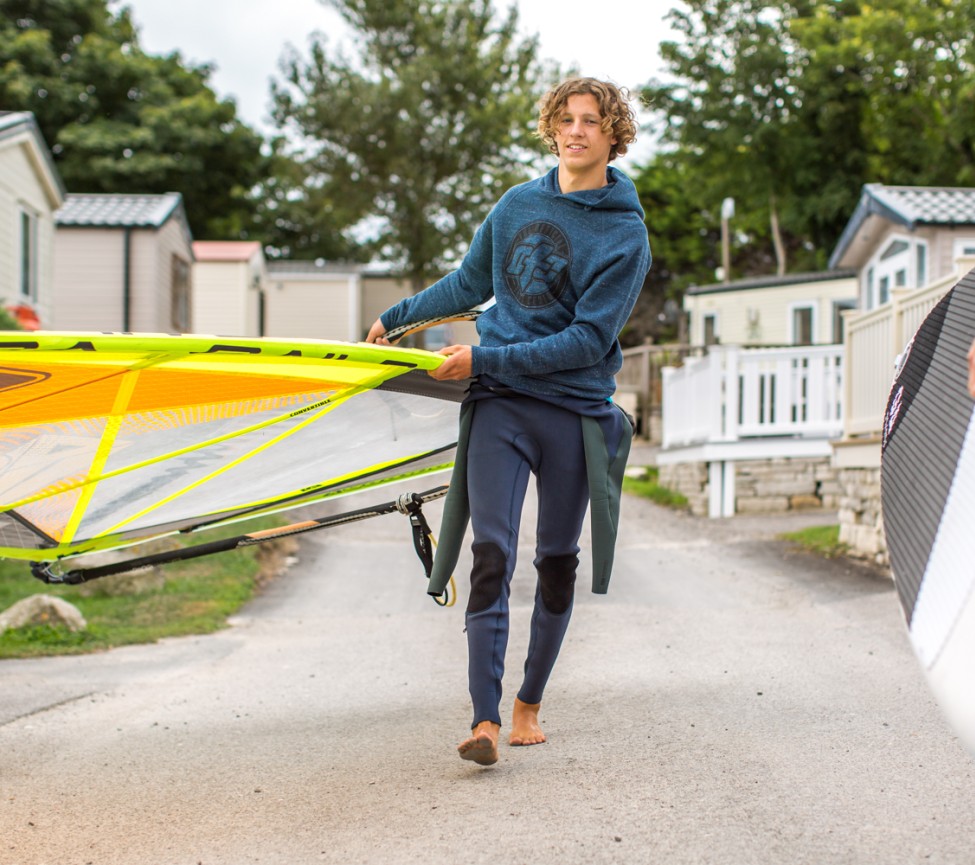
{"x": 489, "y": 727}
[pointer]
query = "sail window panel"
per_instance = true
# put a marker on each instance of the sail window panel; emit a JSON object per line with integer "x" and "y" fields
{"x": 51, "y": 456}
{"x": 47, "y": 457}
{"x": 153, "y": 435}
{"x": 52, "y": 514}
{"x": 353, "y": 443}
{"x": 13, "y": 533}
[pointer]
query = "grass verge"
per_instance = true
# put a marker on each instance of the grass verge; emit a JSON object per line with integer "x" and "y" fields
{"x": 821, "y": 540}
{"x": 197, "y": 598}
{"x": 650, "y": 488}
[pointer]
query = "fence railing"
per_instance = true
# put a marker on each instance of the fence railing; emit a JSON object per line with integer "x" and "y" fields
{"x": 687, "y": 394}
{"x": 735, "y": 393}
{"x": 641, "y": 377}
{"x": 874, "y": 339}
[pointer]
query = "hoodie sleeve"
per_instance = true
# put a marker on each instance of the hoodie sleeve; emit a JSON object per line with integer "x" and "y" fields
{"x": 459, "y": 291}
{"x": 599, "y": 316}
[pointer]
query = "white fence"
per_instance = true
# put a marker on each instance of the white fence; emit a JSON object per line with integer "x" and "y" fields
{"x": 639, "y": 382}
{"x": 738, "y": 404}
{"x": 873, "y": 341}
{"x": 735, "y": 393}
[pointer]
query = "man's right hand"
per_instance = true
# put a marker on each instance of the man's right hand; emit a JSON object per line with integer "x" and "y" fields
{"x": 377, "y": 333}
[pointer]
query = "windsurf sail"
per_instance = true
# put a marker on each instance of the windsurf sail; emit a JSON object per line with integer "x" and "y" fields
{"x": 109, "y": 440}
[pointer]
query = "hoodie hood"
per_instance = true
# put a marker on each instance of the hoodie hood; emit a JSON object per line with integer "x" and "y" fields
{"x": 619, "y": 193}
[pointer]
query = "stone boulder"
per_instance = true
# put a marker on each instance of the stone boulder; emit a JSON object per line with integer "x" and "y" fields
{"x": 42, "y": 610}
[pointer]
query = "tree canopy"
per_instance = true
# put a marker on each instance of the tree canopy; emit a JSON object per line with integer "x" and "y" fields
{"x": 790, "y": 108}
{"x": 395, "y": 146}
{"x": 411, "y": 140}
{"x": 120, "y": 120}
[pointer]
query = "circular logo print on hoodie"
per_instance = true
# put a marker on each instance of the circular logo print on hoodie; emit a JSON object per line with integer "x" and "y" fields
{"x": 536, "y": 269}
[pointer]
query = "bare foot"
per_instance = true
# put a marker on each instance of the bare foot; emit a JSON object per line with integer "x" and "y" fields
{"x": 482, "y": 746}
{"x": 525, "y": 729}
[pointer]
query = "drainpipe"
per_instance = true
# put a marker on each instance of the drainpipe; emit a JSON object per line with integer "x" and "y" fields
{"x": 127, "y": 279}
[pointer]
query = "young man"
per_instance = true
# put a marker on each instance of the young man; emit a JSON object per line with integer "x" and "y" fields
{"x": 564, "y": 256}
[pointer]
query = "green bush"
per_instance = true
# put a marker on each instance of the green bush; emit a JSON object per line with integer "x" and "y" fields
{"x": 7, "y": 321}
{"x": 650, "y": 488}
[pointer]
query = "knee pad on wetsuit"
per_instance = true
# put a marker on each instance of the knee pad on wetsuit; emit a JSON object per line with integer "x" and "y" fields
{"x": 557, "y": 580}
{"x": 487, "y": 576}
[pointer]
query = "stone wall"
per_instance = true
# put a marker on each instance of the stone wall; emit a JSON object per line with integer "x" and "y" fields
{"x": 691, "y": 481}
{"x": 785, "y": 484}
{"x": 780, "y": 485}
{"x": 762, "y": 486}
{"x": 861, "y": 520}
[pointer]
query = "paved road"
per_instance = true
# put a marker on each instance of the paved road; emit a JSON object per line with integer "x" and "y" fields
{"x": 730, "y": 701}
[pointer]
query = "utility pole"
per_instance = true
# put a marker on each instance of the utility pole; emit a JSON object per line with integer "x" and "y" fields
{"x": 727, "y": 212}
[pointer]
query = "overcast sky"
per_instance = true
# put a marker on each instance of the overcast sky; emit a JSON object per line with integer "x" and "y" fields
{"x": 244, "y": 39}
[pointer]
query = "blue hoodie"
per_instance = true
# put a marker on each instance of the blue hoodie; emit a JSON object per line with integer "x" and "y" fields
{"x": 565, "y": 271}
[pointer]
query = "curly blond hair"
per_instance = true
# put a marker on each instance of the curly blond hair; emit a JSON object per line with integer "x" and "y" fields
{"x": 618, "y": 117}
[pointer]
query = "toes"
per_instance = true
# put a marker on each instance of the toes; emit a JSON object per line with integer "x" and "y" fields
{"x": 527, "y": 740}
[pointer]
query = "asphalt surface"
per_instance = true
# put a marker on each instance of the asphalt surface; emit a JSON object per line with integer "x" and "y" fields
{"x": 732, "y": 700}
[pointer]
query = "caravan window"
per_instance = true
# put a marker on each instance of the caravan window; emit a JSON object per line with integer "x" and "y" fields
{"x": 921, "y": 264}
{"x": 803, "y": 325}
{"x": 28, "y": 255}
{"x": 180, "y": 297}
{"x": 965, "y": 246}
{"x": 894, "y": 267}
{"x": 839, "y": 332}
{"x": 884, "y": 293}
{"x": 897, "y": 247}
{"x": 869, "y": 301}
{"x": 710, "y": 320}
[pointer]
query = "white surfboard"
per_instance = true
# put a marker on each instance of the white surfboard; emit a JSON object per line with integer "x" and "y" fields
{"x": 928, "y": 493}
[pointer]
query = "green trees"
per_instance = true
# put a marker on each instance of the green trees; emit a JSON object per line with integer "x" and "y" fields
{"x": 396, "y": 152}
{"x": 894, "y": 79}
{"x": 730, "y": 107}
{"x": 119, "y": 120}
{"x": 790, "y": 108}
{"x": 684, "y": 241}
{"x": 413, "y": 140}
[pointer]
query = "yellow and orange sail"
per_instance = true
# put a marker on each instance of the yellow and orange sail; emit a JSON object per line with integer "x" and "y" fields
{"x": 110, "y": 439}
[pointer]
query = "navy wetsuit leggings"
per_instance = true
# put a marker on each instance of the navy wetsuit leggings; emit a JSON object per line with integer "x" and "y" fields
{"x": 511, "y": 438}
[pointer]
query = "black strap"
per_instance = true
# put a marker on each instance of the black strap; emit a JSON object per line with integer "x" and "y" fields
{"x": 411, "y": 505}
